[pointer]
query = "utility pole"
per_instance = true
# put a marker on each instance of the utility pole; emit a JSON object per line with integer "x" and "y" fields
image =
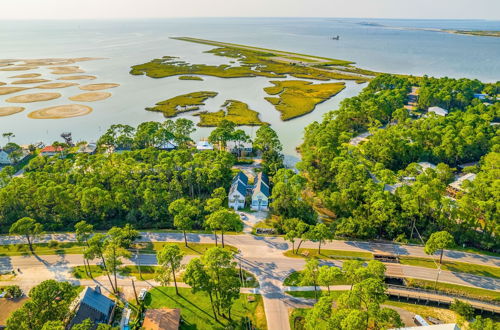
{"x": 135, "y": 292}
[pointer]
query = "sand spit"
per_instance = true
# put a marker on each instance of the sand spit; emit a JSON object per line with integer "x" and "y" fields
{"x": 29, "y": 81}
{"x": 97, "y": 87}
{"x": 56, "y": 85}
{"x": 66, "y": 69}
{"x": 90, "y": 97}
{"x": 77, "y": 77}
{"x": 18, "y": 68}
{"x": 10, "y": 90}
{"x": 57, "y": 61}
{"x": 7, "y": 111}
{"x": 35, "y": 97}
{"x": 2, "y": 83}
{"x": 61, "y": 111}
{"x": 27, "y": 75}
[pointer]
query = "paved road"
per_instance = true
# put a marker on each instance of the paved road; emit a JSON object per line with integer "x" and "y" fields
{"x": 263, "y": 256}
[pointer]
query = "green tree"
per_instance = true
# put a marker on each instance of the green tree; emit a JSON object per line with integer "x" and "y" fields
{"x": 328, "y": 276}
{"x": 197, "y": 277}
{"x": 184, "y": 213}
{"x": 169, "y": 259}
{"x": 224, "y": 220}
{"x": 49, "y": 301}
{"x": 267, "y": 142}
{"x": 462, "y": 308}
{"x": 83, "y": 231}
{"x": 439, "y": 241}
{"x": 96, "y": 248}
{"x": 483, "y": 324}
{"x": 295, "y": 229}
{"x": 222, "y": 134}
{"x": 87, "y": 324}
{"x": 8, "y": 135}
{"x": 320, "y": 233}
{"x": 310, "y": 274}
{"x": 28, "y": 228}
{"x": 14, "y": 150}
{"x": 54, "y": 325}
{"x": 115, "y": 248}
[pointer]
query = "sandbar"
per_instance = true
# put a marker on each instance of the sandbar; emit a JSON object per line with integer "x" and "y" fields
{"x": 27, "y": 75}
{"x": 56, "y": 85}
{"x": 2, "y": 83}
{"x": 77, "y": 77}
{"x": 29, "y": 81}
{"x": 18, "y": 68}
{"x": 7, "y": 111}
{"x": 61, "y": 111}
{"x": 57, "y": 61}
{"x": 97, "y": 87}
{"x": 34, "y": 97}
{"x": 90, "y": 97}
{"x": 10, "y": 90}
{"x": 66, "y": 69}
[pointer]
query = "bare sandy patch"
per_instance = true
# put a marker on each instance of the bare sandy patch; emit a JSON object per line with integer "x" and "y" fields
{"x": 61, "y": 111}
{"x": 66, "y": 69}
{"x": 90, "y": 97}
{"x": 29, "y": 81}
{"x": 2, "y": 83}
{"x": 57, "y": 61}
{"x": 18, "y": 68}
{"x": 56, "y": 85}
{"x": 97, "y": 87}
{"x": 77, "y": 77}
{"x": 35, "y": 97}
{"x": 27, "y": 75}
{"x": 7, "y": 111}
{"x": 10, "y": 90}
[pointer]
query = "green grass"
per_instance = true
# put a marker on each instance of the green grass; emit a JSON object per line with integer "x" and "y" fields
{"x": 294, "y": 280}
{"x": 329, "y": 254}
{"x": 454, "y": 266}
{"x": 297, "y": 97}
{"x": 474, "y": 293}
{"x": 79, "y": 272}
{"x": 196, "y": 310}
{"x": 232, "y": 110}
{"x": 310, "y": 294}
{"x": 143, "y": 273}
{"x": 182, "y": 103}
{"x": 190, "y": 78}
{"x": 442, "y": 314}
{"x": 191, "y": 249}
{"x": 40, "y": 249}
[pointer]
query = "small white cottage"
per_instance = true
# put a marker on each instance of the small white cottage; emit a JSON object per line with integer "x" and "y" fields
{"x": 261, "y": 193}
{"x": 238, "y": 191}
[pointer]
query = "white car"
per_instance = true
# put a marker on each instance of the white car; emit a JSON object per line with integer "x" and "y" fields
{"x": 142, "y": 294}
{"x": 243, "y": 216}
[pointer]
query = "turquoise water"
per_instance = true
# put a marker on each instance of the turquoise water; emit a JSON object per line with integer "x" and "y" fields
{"x": 381, "y": 45}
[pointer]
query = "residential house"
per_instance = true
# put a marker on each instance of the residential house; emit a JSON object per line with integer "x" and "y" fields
{"x": 426, "y": 165}
{"x": 438, "y": 111}
{"x": 261, "y": 193}
{"x": 89, "y": 148}
{"x": 238, "y": 191}
{"x": 455, "y": 187}
{"x": 169, "y": 145}
{"x": 162, "y": 319}
{"x": 93, "y": 305}
{"x": 50, "y": 151}
{"x": 5, "y": 158}
{"x": 204, "y": 145}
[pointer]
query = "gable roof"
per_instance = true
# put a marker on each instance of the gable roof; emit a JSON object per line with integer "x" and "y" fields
{"x": 457, "y": 184}
{"x": 262, "y": 185}
{"x": 51, "y": 149}
{"x": 93, "y": 305}
{"x": 162, "y": 319}
{"x": 438, "y": 111}
{"x": 239, "y": 184}
{"x": 241, "y": 176}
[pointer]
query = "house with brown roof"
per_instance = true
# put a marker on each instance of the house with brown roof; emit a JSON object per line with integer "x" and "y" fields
{"x": 162, "y": 319}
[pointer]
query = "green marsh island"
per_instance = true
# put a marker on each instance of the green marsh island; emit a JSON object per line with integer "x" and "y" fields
{"x": 292, "y": 98}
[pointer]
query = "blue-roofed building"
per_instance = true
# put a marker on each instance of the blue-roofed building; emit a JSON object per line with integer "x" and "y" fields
{"x": 261, "y": 193}
{"x": 93, "y": 305}
{"x": 238, "y": 191}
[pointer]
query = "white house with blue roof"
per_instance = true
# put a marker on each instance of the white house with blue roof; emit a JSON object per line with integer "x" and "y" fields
{"x": 93, "y": 305}
{"x": 238, "y": 191}
{"x": 261, "y": 193}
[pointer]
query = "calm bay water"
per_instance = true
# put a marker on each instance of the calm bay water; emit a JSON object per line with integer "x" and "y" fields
{"x": 381, "y": 46}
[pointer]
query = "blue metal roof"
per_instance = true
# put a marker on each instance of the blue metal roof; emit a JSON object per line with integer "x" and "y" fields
{"x": 97, "y": 301}
{"x": 242, "y": 177}
{"x": 262, "y": 185}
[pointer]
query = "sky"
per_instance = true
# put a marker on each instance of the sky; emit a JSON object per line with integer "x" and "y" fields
{"x": 102, "y": 9}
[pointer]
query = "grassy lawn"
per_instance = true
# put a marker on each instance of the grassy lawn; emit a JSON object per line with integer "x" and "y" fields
{"x": 191, "y": 249}
{"x": 329, "y": 254}
{"x": 139, "y": 272}
{"x": 196, "y": 310}
{"x": 454, "y": 266}
{"x": 470, "y": 292}
{"x": 40, "y": 249}
{"x": 79, "y": 272}
{"x": 443, "y": 314}
{"x": 310, "y": 294}
{"x": 294, "y": 280}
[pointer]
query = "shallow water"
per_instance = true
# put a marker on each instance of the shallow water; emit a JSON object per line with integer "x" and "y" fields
{"x": 125, "y": 43}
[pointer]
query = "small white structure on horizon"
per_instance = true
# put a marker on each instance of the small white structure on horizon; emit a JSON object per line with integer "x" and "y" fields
{"x": 238, "y": 191}
{"x": 438, "y": 111}
{"x": 204, "y": 145}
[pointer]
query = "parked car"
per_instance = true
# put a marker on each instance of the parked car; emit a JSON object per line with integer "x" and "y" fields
{"x": 142, "y": 294}
{"x": 243, "y": 216}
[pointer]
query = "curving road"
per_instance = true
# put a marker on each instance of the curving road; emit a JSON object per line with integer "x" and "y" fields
{"x": 263, "y": 256}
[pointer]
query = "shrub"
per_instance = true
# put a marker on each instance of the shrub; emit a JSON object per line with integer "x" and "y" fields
{"x": 462, "y": 308}
{"x": 53, "y": 244}
{"x": 13, "y": 291}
